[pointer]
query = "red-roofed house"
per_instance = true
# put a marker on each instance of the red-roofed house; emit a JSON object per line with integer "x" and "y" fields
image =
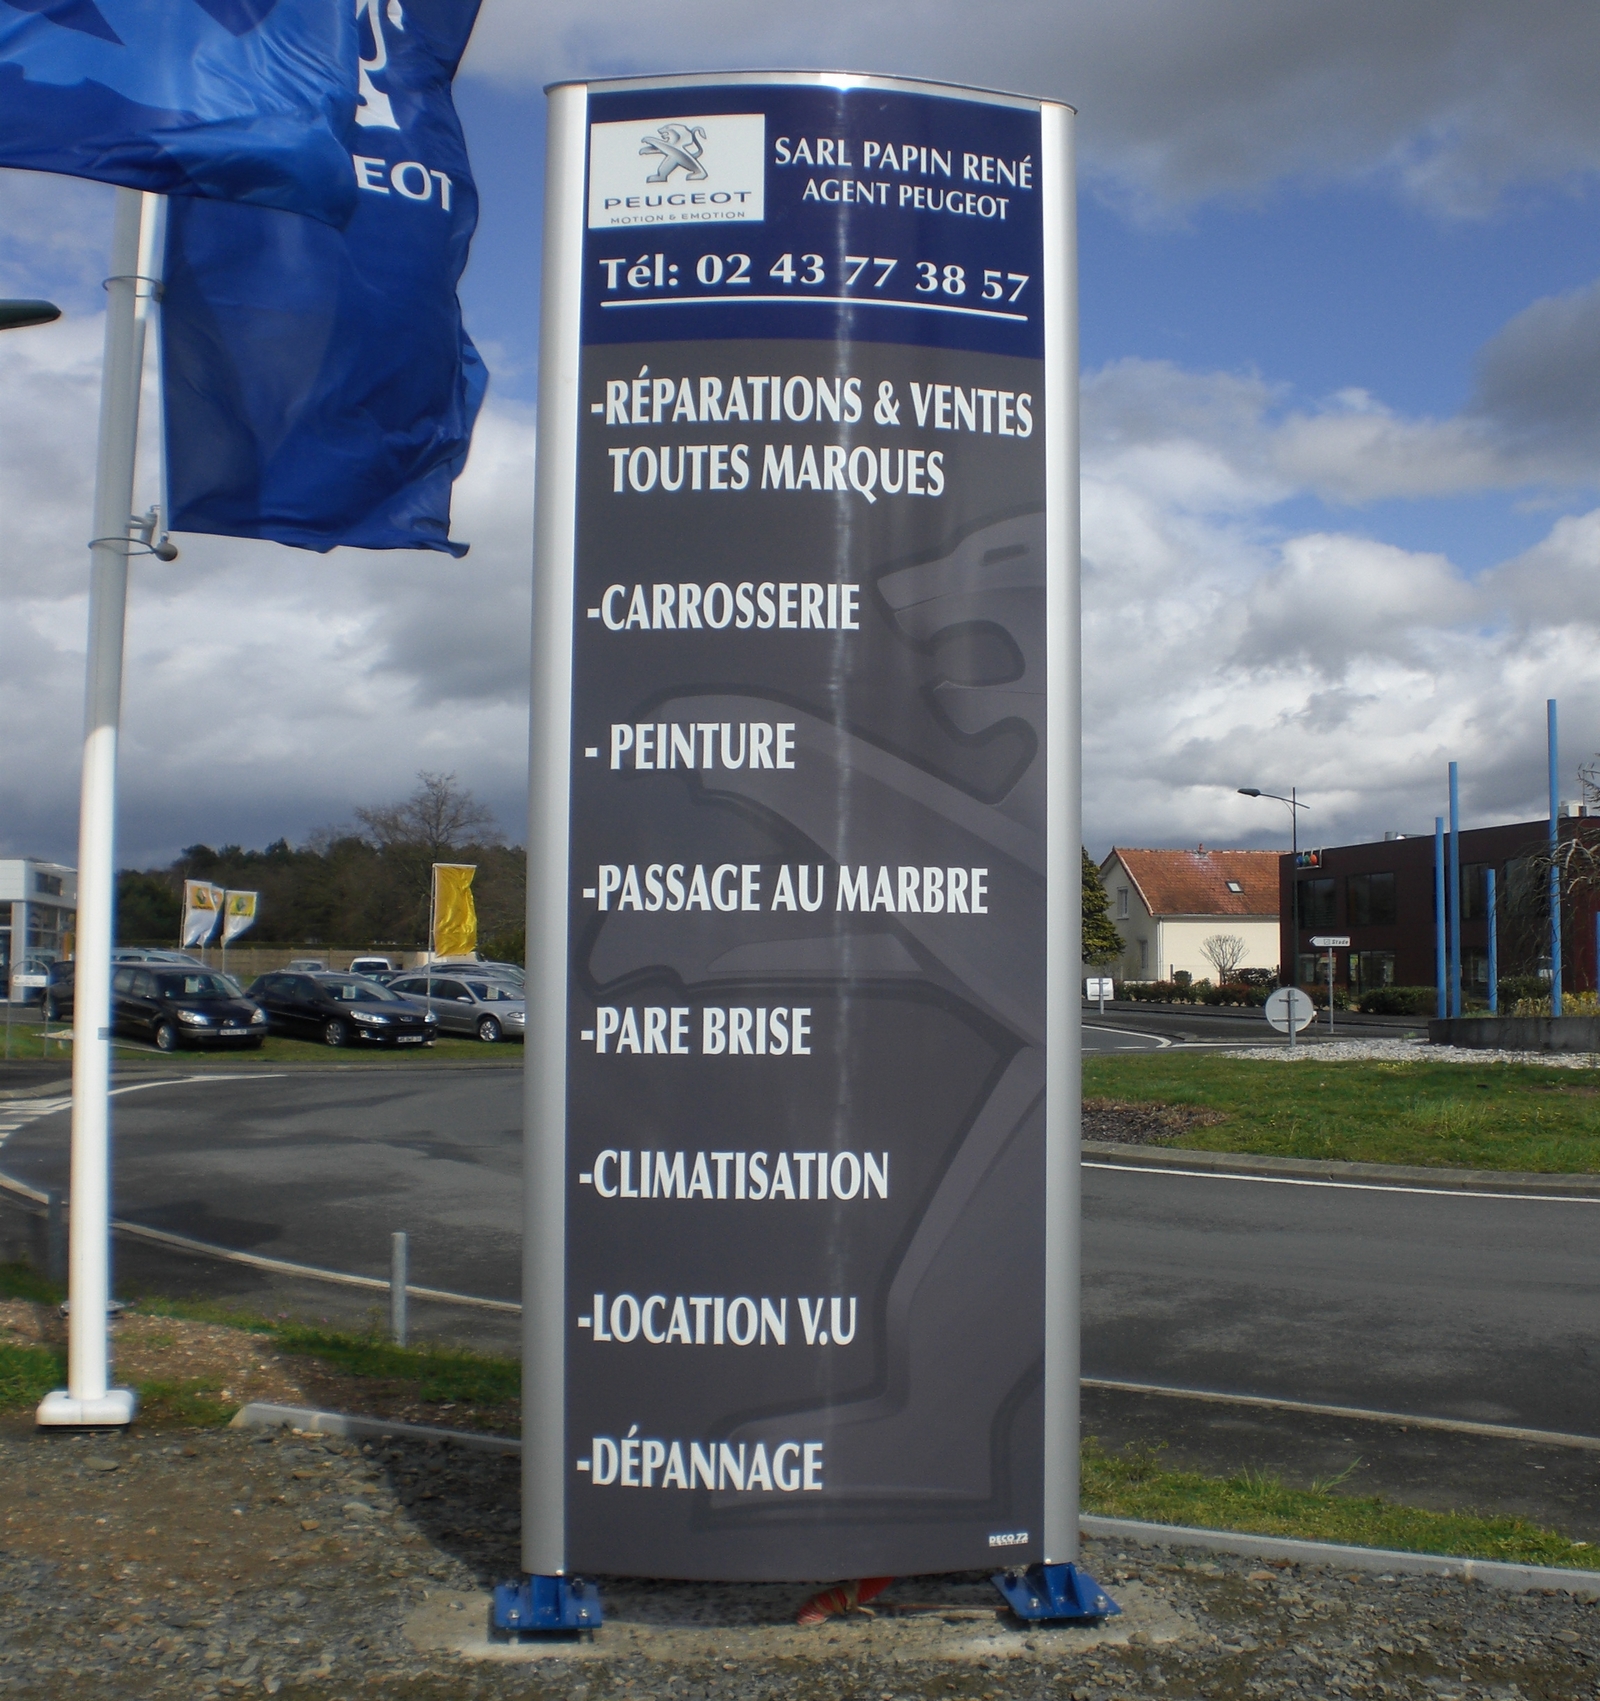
{"x": 1167, "y": 903}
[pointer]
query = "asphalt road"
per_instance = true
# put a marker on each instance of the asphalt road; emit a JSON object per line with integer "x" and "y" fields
{"x": 1420, "y": 1302}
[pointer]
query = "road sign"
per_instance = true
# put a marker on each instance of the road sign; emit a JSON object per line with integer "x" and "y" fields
{"x": 30, "y": 980}
{"x": 800, "y": 1290}
{"x": 1096, "y": 987}
{"x": 1288, "y": 1004}
{"x": 1331, "y": 941}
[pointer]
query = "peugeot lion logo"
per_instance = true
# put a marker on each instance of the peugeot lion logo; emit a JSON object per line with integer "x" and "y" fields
{"x": 680, "y": 147}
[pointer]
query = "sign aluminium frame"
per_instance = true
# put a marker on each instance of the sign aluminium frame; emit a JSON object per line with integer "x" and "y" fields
{"x": 545, "y": 1444}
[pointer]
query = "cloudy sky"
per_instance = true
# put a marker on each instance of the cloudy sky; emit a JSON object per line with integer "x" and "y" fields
{"x": 1341, "y": 334}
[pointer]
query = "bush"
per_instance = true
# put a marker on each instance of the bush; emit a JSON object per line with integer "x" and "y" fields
{"x": 1155, "y": 992}
{"x": 1239, "y": 994}
{"x": 1572, "y": 1004}
{"x": 1399, "y": 1001}
{"x": 1515, "y": 987}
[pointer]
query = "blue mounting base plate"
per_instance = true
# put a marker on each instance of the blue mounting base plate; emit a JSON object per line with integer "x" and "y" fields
{"x": 1045, "y": 1592}
{"x": 542, "y": 1605}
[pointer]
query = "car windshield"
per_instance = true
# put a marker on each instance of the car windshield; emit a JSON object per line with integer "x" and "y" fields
{"x": 199, "y": 985}
{"x": 356, "y": 992}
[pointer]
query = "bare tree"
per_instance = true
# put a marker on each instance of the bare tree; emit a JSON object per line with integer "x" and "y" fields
{"x": 1224, "y": 952}
{"x": 439, "y": 817}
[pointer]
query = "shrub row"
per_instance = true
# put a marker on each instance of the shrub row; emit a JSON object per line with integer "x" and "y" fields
{"x": 1184, "y": 991}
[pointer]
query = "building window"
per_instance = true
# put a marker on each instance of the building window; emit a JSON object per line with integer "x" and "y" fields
{"x": 1475, "y": 969}
{"x": 1474, "y": 891}
{"x": 1318, "y": 905}
{"x": 1370, "y": 898}
{"x": 1234, "y": 886}
{"x": 1371, "y": 968}
{"x": 1122, "y": 903}
{"x": 47, "y": 884}
{"x": 1310, "y": 965}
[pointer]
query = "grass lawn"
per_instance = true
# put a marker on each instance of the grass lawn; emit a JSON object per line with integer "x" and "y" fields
{"x": 1131, "y": 1484}
{"x": 27, "y": 1043}
{"x": 1494, "y": 1116}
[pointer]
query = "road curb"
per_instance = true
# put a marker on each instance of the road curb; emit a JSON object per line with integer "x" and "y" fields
{"x": 44, "y": 1090}
{"x": 1318, "y": 1169}
{"x": 1492, "y": 1573}
{"x": 261, "y": 1414}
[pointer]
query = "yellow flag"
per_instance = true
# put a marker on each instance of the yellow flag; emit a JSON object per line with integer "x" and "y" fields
{"x": 455, "y": 917}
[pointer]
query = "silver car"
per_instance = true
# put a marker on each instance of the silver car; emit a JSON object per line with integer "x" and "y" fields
{"x": 490, "y": 1009}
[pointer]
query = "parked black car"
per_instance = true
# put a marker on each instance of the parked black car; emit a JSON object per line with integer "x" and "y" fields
{"x": 341, "y": 1010}
{"x": 170, "y": 1007}
{"x": 58, "y": 994}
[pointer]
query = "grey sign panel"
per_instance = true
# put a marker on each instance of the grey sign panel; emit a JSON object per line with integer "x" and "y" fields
{"x": 802, "y": 1055}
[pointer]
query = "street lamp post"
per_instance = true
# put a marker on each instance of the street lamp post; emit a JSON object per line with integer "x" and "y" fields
{"x": 15, "y": 315}
{"x": 1295, "y": 806}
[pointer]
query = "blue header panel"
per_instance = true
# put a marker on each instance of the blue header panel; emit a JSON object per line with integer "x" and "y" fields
{"x": 799, "y": 211}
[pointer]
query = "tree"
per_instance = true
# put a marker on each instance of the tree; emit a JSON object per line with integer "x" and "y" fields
{"x": 439, "y": 817}
{"x": 1101, "y": 941}
{"x": 440, "y": 822}
{"x": 1224, "y": 952}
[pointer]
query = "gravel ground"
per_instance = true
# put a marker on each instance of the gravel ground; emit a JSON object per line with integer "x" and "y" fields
{"x": 1407, "y": 1051}
{"x": 1142, "y": 1124}
{"x": 210, "y": 1563}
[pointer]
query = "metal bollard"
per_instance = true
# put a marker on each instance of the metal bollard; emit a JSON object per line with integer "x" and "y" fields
{"x": 398, "y": 1261}
{"x": 55, "y": 1240}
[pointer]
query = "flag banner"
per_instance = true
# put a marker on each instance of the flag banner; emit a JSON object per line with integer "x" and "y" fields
{"x": 455, "y": 916}
{"x": 319, "y": 387}
{"x": 202, "y": 905}
{"x": 235, "y": 100}
{"x": 239, "y": 914}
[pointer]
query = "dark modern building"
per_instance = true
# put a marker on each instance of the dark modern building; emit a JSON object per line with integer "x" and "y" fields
{"x": 1382, "y": 896}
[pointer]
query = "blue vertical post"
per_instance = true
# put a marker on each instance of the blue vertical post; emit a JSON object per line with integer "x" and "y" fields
{"x": 1438, "y": 913}
{"x": 1494, "y": 940}
{"x": 1555, "y": 871}
{"x": 1453, "y": 896}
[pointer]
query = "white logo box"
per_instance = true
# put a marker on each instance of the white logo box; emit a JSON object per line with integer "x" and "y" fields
{"x": 707, "y": 170}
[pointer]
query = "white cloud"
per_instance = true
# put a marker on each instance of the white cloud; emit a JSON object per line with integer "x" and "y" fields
{"x": 1219, "y": 652}
{"x": 1450, "y": 104}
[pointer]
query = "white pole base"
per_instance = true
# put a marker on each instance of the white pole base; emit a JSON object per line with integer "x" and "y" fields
{"x": 115, "y": 1407}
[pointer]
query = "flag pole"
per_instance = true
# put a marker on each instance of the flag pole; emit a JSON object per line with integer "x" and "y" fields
{"x": 87, "y": 1399}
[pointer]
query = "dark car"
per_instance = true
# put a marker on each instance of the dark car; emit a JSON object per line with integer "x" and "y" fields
{"x": 58, "y": 994}
{"x": 341, "y": 1010}
{"x": 175, "y": 1006}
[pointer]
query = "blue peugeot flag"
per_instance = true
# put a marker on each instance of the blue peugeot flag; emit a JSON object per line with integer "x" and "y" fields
{"x": 318, "y": 385}
{"x": 240, "y": 100}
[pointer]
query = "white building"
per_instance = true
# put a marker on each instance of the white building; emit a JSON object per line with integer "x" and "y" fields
{"x": 1167, "y": 903}
{"x": 38, "y": 915}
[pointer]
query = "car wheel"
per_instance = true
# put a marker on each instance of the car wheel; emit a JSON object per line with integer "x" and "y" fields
{"x": 488, "y": 1030}
{"x": 165, "y": 1036}
{"x": 335, "y": 1033}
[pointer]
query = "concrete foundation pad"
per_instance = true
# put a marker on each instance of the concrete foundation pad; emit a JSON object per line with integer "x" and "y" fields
{"x": 957, "y": 1618}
